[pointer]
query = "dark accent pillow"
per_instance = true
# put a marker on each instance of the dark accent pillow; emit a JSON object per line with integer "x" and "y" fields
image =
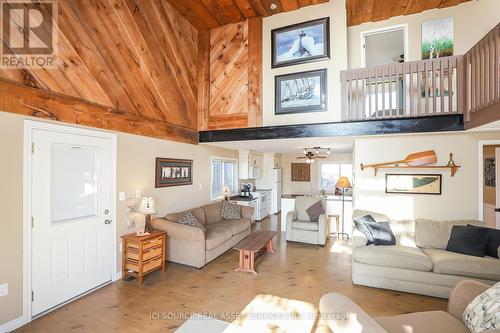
{"x": 360, "y": 224}
{"x": 315, "y": 210}
{"x": 493, "y": 241}
{"x": 382, "y": 233}
{"x": 468, "y": 240}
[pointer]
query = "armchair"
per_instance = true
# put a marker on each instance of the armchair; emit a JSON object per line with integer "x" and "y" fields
{"x": 299, "y": 228}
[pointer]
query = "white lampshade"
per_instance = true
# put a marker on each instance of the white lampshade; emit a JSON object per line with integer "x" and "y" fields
{"x": 148, "y": 206}
{"x": 226, "y": 190}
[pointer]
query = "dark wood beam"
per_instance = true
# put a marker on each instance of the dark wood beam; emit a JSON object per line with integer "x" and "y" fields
{"x": 390, "y": 126}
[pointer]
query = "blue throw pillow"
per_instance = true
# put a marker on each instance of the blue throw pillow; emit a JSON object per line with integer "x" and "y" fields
{"x": 468, "y": 240}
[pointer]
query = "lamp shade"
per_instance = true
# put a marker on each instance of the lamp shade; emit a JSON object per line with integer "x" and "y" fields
{"x": 148, "y": 206}
{"x": 343, "y": 182}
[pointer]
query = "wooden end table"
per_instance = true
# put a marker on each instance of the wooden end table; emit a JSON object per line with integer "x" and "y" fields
{"x": 258, "y": 242}
{"x": 142, "y": 255}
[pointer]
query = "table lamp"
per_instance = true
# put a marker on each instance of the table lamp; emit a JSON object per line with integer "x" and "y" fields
{"x": 147, "y": 207}
{"x": 343, "y": 183}
{"x": 226, "y": 191}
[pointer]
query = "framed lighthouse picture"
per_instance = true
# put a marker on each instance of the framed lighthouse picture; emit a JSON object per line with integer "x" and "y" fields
{"x": 302, "y": 42}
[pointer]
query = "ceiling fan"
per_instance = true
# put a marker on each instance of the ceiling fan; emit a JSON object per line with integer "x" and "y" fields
{"x": 310, "y": 156}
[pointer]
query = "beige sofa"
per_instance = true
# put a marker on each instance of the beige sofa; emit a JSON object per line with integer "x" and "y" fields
{"x": 418, "y": 263}
{"x": 299, "y": 227}
{"x": 345, "y": 316}
{"x": 190, "y": 246}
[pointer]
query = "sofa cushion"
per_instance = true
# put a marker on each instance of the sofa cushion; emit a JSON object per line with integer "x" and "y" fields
{"x": 422, "y": 322}
{"x": 301, "y": 205}
{"x": 468, "y": 240}
{"x": 396, "y": 256}
{"x": 199, "y": 213}
{"x": 435, "y": 234}
{"x": 191, "y": 220}
{"x": 305, "y": 225}
{"x": 216, "y": 235}
{"x": 230, "y": 211}
{"x": 236, "y": 226}
{"x": 315, "y": 210}
{"x": 463, "y": 265}
{"x": 212, "y": 212}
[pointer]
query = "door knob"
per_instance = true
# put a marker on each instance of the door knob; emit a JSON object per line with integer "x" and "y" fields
{"x": 107, "y": 221}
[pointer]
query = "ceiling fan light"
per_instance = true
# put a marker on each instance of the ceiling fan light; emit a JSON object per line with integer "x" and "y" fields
{"x": 312, "y": 160}
{"x": 316, "y": 149}
{"x": 305, "y": 151}
{"x": 329, "y": 151}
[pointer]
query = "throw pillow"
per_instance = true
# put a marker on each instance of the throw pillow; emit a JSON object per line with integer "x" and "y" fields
{"x": 230, "y": 211}
{"x": 315, "y": 210}
{"x": 468, "y": 240}
{"x": 360, "y": 224}
{"x": 382, "y": 233}
{"x": 191, "y": 220}
{"x": 493, "y": 241}
{"x": 483, "y": 313}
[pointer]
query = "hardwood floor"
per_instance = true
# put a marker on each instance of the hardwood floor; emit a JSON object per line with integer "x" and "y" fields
{"x": 297, "y": 271}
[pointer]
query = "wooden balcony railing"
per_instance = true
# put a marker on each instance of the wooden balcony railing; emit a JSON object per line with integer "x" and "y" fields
{"x": 481, "y": 89}
{"x": 468, "y": 84}
{"x": 411, "y": 89}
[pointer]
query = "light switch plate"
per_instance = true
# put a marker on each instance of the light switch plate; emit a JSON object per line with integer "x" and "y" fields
{"x": 121, "y": 196}
{"x": 137, "y": 194}
{"x": 4, "y": 289}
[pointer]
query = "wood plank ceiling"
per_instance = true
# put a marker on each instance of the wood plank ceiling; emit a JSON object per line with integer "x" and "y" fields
{"x": 210, "y": 14}
{"x": 138, "y": 57}
{"x": 361, "y": 11}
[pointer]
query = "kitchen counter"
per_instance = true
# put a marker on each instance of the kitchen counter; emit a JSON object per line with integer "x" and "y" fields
{"x": 240, "y": 198}
{"x": 327, "y": 197}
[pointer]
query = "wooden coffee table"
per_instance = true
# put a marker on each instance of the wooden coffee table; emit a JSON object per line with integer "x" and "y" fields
{"x": 258, "y": 242}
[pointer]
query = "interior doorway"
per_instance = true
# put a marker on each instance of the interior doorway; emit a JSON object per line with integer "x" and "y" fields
{"x": 489, "y": 189}
{"x": 70, "y": 233}
{"x": 384, "y": 46}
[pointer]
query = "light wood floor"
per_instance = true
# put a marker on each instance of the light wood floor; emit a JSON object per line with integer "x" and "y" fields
{"x": 299, "y": 272}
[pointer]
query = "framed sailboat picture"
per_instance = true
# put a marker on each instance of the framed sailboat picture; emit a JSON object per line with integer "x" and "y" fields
{"x": 302, "y": 42}
{"x": 413, "y": 184}
{"x": 301, "y": 92}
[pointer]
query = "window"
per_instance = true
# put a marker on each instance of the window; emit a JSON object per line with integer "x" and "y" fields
{"x": 224, "y": 173}
{"x": 331, "y": 172}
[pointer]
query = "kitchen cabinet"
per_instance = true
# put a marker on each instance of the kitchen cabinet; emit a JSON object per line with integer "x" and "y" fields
{"x": 250, "y": 165}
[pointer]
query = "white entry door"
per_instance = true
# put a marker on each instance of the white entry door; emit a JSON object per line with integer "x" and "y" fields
{"x": 71, "y": 210}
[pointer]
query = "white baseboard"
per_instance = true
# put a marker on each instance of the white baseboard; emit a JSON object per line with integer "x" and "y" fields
{"x": 12, "y": 325}
{"x": 118, "y": 276}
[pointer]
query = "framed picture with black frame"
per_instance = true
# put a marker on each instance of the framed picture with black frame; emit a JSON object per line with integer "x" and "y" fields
{"x": 173, "y": 172}
{"x": 413, "y": 183}
{"x": 301, "y": 92}
{"x": 300, "y": 43}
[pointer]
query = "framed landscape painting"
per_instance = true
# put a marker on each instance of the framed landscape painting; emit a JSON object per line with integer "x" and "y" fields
{"x": 413, "y": 184}
{"x": 302, "y": 42}
{"x": 301, "y": 92}
{"x": 173, "y": 172}
{"x": 437, "y": 38}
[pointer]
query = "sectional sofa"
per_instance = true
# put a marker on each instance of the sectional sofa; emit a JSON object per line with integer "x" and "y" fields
{"x": 418, "y": 263}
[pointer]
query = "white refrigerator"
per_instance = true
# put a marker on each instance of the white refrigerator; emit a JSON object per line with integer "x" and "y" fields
{"x": 276, "y": 191}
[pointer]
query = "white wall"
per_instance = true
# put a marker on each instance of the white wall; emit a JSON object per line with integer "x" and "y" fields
{"x": 338, "y": 61}
{"x": 311, "y": 187}
{"x": 472, "y": 20}
{"x": 459, "y": 199}
{"x": 136, "y": 168}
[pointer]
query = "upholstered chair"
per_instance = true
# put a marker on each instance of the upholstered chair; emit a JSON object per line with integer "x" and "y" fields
{"x": 300, "y": 228}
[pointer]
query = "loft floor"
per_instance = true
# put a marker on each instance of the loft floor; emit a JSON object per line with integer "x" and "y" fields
{"x": 299, "y": 272}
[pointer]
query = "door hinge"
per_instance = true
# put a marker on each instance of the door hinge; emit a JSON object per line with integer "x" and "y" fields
{"x": 32, "y": 296}
{"x": 32, "y": 222}
{"x": 32, "y": 147}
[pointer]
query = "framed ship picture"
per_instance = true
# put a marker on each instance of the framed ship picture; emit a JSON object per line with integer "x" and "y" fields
{"x": 173, "y": 172}
{"x": 301, "y": 92}
{"x": 300, "y": 43}
{"x": 413, "y": 184}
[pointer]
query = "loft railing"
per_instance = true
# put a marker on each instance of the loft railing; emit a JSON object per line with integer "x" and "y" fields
{"x": 482, "y": 79}
{"x": 411, "y": 89}
{"x": 468, "y": 84}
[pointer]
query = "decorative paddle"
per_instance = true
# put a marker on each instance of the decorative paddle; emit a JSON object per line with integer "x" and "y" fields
{"x": 416, "y": 159}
